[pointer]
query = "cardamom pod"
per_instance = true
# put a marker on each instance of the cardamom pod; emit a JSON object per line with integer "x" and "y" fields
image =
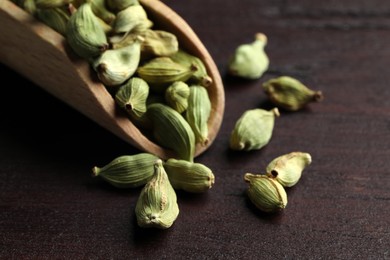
{"x": 172, "y": 131}
{"x": 158, "y": 43}
{"x": 198, "y": 113}
{"x": 128, "y": 171}
{"x": 100, "y": 10}
{"x": 84, "y": 33}
{"x": 176, "y": 96}
{"x": 187, "y": 176}
{"x": 131, "y": 18}
{"x": 157, "y": 204}
{"x": 200, "y": 76}
{"x": 265, "y": 193}
{"x": 250, "y": 61}
{"x": 55, "y": 18}
{"x": 132, "y": 96}
{"x": 119, "y": 5}
{"x": 287, "y": 169}
{"x": 253, "y": 130}
{"x": 289, "y": 93}
{"x": 114, "y": 67}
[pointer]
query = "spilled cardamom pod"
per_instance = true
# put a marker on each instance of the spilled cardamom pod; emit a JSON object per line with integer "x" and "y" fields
{"x": 287, "y": 169}
{"x": 55, "y": 18}
{"x": 128, "y": 171}
{"x": 157, "y": 204}
{"x": 176, "y": 96}
{"x": 132, "y": 96}
{"x": 289, "y": 93}
{"x": 131, "y": 18}
{"x": 265, "y": 193}
{"x": 187, "y": 176}
{"x": 198, "y": 113}
{"x": 250, "y": 61}
{"x": 172, "y": 131}
{"x": 114, "y": 67}
{"x": 253, "y": 130}
{"x": 84, "y": 33}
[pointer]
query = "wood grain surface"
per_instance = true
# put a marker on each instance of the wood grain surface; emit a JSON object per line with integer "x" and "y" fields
{"x": 51, "y": 207}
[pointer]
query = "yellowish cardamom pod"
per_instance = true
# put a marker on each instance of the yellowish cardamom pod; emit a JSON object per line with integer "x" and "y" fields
{"x": 131, "y": 18}
{"x": 161, "y": 72}
{"x": 198, "y": 113}
{"x": 119, "y": 5}
{"x": 132, "y": 96}
{"x": 114, "y": 67}
{"x": 176, "y": 96}
{"x": 265, "y": 193}
{"x": 158, "y": 43}
{"x": 157, "y": 204}
{"x": 128, "y": 171}
{"x": 287, "y": 169}
{"x": 45, "y": 4}
{"x": 100, "y": 10}
{"x": 55, "y": 18}
{"x": 187, "y": 176}
{"x": 172, "y": 131}
{"x": 250, "y": 60}
{"x": 289, "y": 93}
{"x": 200, "y": 76}
{"x": 253, "y": 130}
{"x": 84, "y": 33}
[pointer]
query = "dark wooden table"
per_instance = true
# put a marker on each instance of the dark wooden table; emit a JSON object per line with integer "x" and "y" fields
{"x": 51, "y": 207}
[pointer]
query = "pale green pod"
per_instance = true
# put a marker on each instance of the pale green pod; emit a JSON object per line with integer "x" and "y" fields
{"x": 115, "y": 66}
{"x": 47, "y": 4}
{"x": 265, "y": 193}
{"x": 176, "y": 96}
{"x": 55, "y": 18}
{"x": 172, "y": 131}
{"x": 100, "y": 10}
{"x": 289, "y": 93}
{"x": 131, "y": 18}
{"x": 250, "y": 61}
{"x": 160, "y": 72}
{"x": 132, "y": 96}
{"x": 84, "y": 33}
{"x": 200, "y": 76}
{"x": 253, "y": 130}
{"x": 157, "y": 204}
{"x": 128, "y": 171}
{"x": 119, "y": 5}
{"x": 287, "y": 169}
{"x": 190, "y": 177}
{"x": 198, "y": 113}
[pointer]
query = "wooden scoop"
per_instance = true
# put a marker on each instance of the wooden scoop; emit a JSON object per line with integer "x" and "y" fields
{"x": 42, "y": 55}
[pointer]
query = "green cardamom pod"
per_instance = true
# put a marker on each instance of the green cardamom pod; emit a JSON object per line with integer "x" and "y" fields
{"x": 128, "y": 171}
{"x": 160, "y": 72}
{"x": 200, "y": 76}
{"x": 176, "y": 96}
{"x": 159, "y": 43}
{"x": 250, "y": 60}
{"x": 55, "y": 18}
{"x": 132, "y": 18}
{"x": 171, "y": 130}
{"x": 132, "y": 96}
{"x": 119, "y": 5}
{"x": 289, "y": 93}
{"x": 187, "y": 176}
{"x": 100, "y": 10}
{"x": 265, "y": 193}
{"x": 157, "y": 204}
{"x": 198, "y": 113}
{"x": 114, "y": 67}
{"x": 84, "y": 33}
{"x": 253, "y": 130}
{"x": 47, "y": 4}
{"x": 287, "y": 169}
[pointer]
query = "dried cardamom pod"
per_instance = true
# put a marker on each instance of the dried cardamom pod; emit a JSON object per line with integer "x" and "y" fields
{"x": 198, "y": 113}
{"x": 128, "y": 171}
{"x": 187, "y": 176}
{"x": 84, "y": 33}
{"x": 114, "y": 67}
{"x": 132, "y": 96}
{"x": 200, "y": 76}
{"x": 176, "y": 96}
{"x": 287, "y": 169}
{"x": 55, "y": 18}
{"x": 250, "y": 60}
{"x": 119, "y": 5}
{"x": 253, "y": 130}
{"x": 46, "y": 4}
{"x": 131, "y": 18}
{"x": 157, "y": 204}
{"x": 172, "y": 131}
{"x": 100, "y": 10}
{"x": 265, "y": 193}
{"x": 159, "y": 43}
{"x": 289, "y": 93}
{"x": 160, "y": 72}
